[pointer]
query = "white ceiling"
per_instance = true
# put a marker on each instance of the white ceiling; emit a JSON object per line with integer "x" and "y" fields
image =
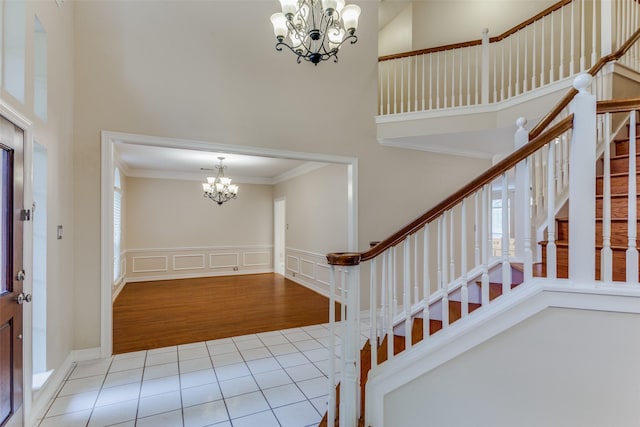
{"x": 149, "y": 161}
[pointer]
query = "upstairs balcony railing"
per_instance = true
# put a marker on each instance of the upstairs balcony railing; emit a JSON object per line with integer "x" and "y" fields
{"x": 565, "y": 39}
{"x": 444, "y": 256}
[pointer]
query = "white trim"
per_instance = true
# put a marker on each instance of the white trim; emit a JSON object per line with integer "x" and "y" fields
{"x": 314, "y": 288}
{"x": 198, "y": 275}
{"x": 43, "y": 397}
{"x": 484, "y": 324}
{"x": 201, "y": 256}
{"x": 118, "y": 289}
{"x": 299, "y": 171}
{"x": 244, "y": 259}
{"x": 151, "y": 270}
{"x": 199, "y": 248}
{"x": 108, "y": 139}
{"x": 237, "y": 263}
{"x": 297, "y": 261}
{"x": 323, "y": 266}
{"x": 313, "y": 269}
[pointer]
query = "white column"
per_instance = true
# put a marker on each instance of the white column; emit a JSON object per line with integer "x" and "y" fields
{"x": 582, "y": 175}
{"x": 522, "y": 181}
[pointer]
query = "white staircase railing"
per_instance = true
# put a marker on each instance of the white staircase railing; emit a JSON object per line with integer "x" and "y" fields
{"x": 561, "y": 41}
{"x": 440, "y": 268}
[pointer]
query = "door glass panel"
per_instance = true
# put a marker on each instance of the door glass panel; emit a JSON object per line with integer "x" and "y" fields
{"x": 5, "y": 221}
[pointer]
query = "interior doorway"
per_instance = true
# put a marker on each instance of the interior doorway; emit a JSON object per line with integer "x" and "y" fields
{"x": 279, "y": 235}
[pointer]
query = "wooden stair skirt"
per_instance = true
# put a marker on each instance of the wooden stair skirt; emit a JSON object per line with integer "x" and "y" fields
{"x": 619, "y": 167}
{"x": 455, "y": 313}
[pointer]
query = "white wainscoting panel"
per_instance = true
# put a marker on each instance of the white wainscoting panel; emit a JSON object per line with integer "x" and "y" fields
{"x": 153, "y": 264}
{"x": 311, "y": 270}
{"x": 188, "y": 262}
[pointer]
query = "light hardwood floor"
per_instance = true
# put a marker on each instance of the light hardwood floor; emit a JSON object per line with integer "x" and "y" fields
{"x": 157, "y": 314}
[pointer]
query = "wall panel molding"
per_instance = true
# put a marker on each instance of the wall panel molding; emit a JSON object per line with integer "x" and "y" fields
{"x": 190, "y": 262}
{"x": 311, "y": 270}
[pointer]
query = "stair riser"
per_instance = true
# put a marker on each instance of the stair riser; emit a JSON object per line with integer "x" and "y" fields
{"x": 618, "y": 207}
{"x": 618, "y": 232}
{"x": 621, "y": 164}
{"x": 619, "y": 184}
{"x": 562, "y": 263}
{"x": 622, "y": 147}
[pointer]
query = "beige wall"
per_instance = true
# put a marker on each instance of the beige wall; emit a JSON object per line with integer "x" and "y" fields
{"x": 165, "y": 213}
{"x": 172, "y": 69}
{"x": 522, "y": 377}
{"x": 57, "y": 136}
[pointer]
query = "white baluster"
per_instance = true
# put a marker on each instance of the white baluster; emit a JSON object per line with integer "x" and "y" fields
{"x": 446, "y": 73}
{"x": 395, "y": 87}
{"x": 561, "y": 69}
{"x": 394, "y": 281}
{"x": 416, "y": 291}
{"x": 510, "y": 62}
{"x": 383, "y": 295}
{"x": 445, "y": 252}
{"x": 388, "y": 89}
{"x": 406, "y": 293}
{"x": 593, "y": 34}
{"x": 331, "y": 400}
{"x": 518, "y": 62}
{"x": 528, "y": 255}
{"x": 460, "y": 78}
{"x": 542, "y": 70}
{"x": 632, "y": 223}
{"x": 565, "y": 160}
{"x": 452, "y": 259}
{"x": 619, "y": 40}
{"x": 469, "y": 50}
{"x": 502, "y": 70}
{"x": 390, "y": 307}
{"x": 423, "y": 82}
{"x": 572, "y": 44}
{"x": 526, "y": 59}
{"x": 453, "y": 78}
{"x": 477, "y": 73}
{"x": 534, "y": 56}
{"x": 551, "y": 214}
{"x": 581, "y": 190}
{"x": 485, "y": 66}
{"x": 439, "y": 254}
{"x": 381, "y": 78}
{"x": 476, "y": 231}
{"x": 426, "y": 284}
{"x": 606, "y": 255}
{"x": 486, "y": 218}
{"x": 495, "y": 75}
{"x": 415, "y": 88}
{"x": 552, "y": 38}
{"x": 373, "y": 313}
{"x": 464, "y": 291}
{"x": 506, "y": 266}
{"x": 401, "y": 85}
{"x": 521, "y": 139}
{"x": 445, "y": 308}
{"x": 437, "y": 79}
{"x": 582, "y": 38}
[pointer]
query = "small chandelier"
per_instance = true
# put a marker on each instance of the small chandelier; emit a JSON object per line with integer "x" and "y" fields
{"x": 220, "y": 189}
{"x": 316, "y": 29}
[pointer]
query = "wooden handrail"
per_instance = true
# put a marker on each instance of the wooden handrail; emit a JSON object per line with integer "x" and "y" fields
{"x": 494, "y": 39}
{"x": 562, "y": 104}
{"x": 618, "y": 106}
{"x": 350, "y": 259}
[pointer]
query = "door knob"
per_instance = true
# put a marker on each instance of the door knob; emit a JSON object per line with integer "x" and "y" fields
{"x": 22, "y": 298}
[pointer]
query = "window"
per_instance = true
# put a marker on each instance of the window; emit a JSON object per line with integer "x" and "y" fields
{"x": 117, "y": 225}
{"x": 13, "y": 47}
{"x": 39, "y": 70}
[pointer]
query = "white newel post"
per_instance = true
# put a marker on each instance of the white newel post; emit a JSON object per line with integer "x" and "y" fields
{"x": 349, "y": 391}
{"x": 522, "y": 181}
{"x": 582, "y": 178}
{"x": 485, "y": 66}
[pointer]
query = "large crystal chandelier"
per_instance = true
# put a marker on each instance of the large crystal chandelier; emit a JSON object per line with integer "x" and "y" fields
{"x": 219, "y": 188}
{"x": 315, "y": 29}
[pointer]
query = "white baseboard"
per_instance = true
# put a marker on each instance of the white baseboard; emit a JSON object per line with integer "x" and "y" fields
{"x": 119, "y": 289}
{"x": 322, "y": 291}
{"x": 42, "y": 398}
{"x": 196, "y": 275}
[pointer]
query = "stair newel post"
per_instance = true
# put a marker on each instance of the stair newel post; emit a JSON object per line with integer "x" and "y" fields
{"x": 606, "y": 255}
{"x": 373, "y": 312}
{"x": 485, "y": 66}
{"x": 464, "y": 291}
{"x": 406, "y": 297}
{"x": 331, "y": 400}
{"x": 426, "y": 284}
{"x": 349, "y": 390}
{"x": 551, "y": 212}
{"x": 521, "y": 185}
{"x": 484, "y": 225}
{"x": 632, "y": 223}
{"x": 506, "y": 266}
{"x": 582, "y": 176}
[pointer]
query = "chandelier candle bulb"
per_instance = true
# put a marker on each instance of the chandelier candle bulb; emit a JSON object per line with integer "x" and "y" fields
{"x": 315, "y": 30}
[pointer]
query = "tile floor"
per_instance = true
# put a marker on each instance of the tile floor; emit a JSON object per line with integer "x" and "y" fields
{"x": 269, "y": 379}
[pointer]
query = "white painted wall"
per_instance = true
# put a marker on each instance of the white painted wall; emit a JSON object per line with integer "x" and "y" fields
{"x": 562, "y": 367}
{"x": 397, "y": 35}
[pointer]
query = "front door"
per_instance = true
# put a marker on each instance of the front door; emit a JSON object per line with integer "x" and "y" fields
{"x": 11, "y": 273}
